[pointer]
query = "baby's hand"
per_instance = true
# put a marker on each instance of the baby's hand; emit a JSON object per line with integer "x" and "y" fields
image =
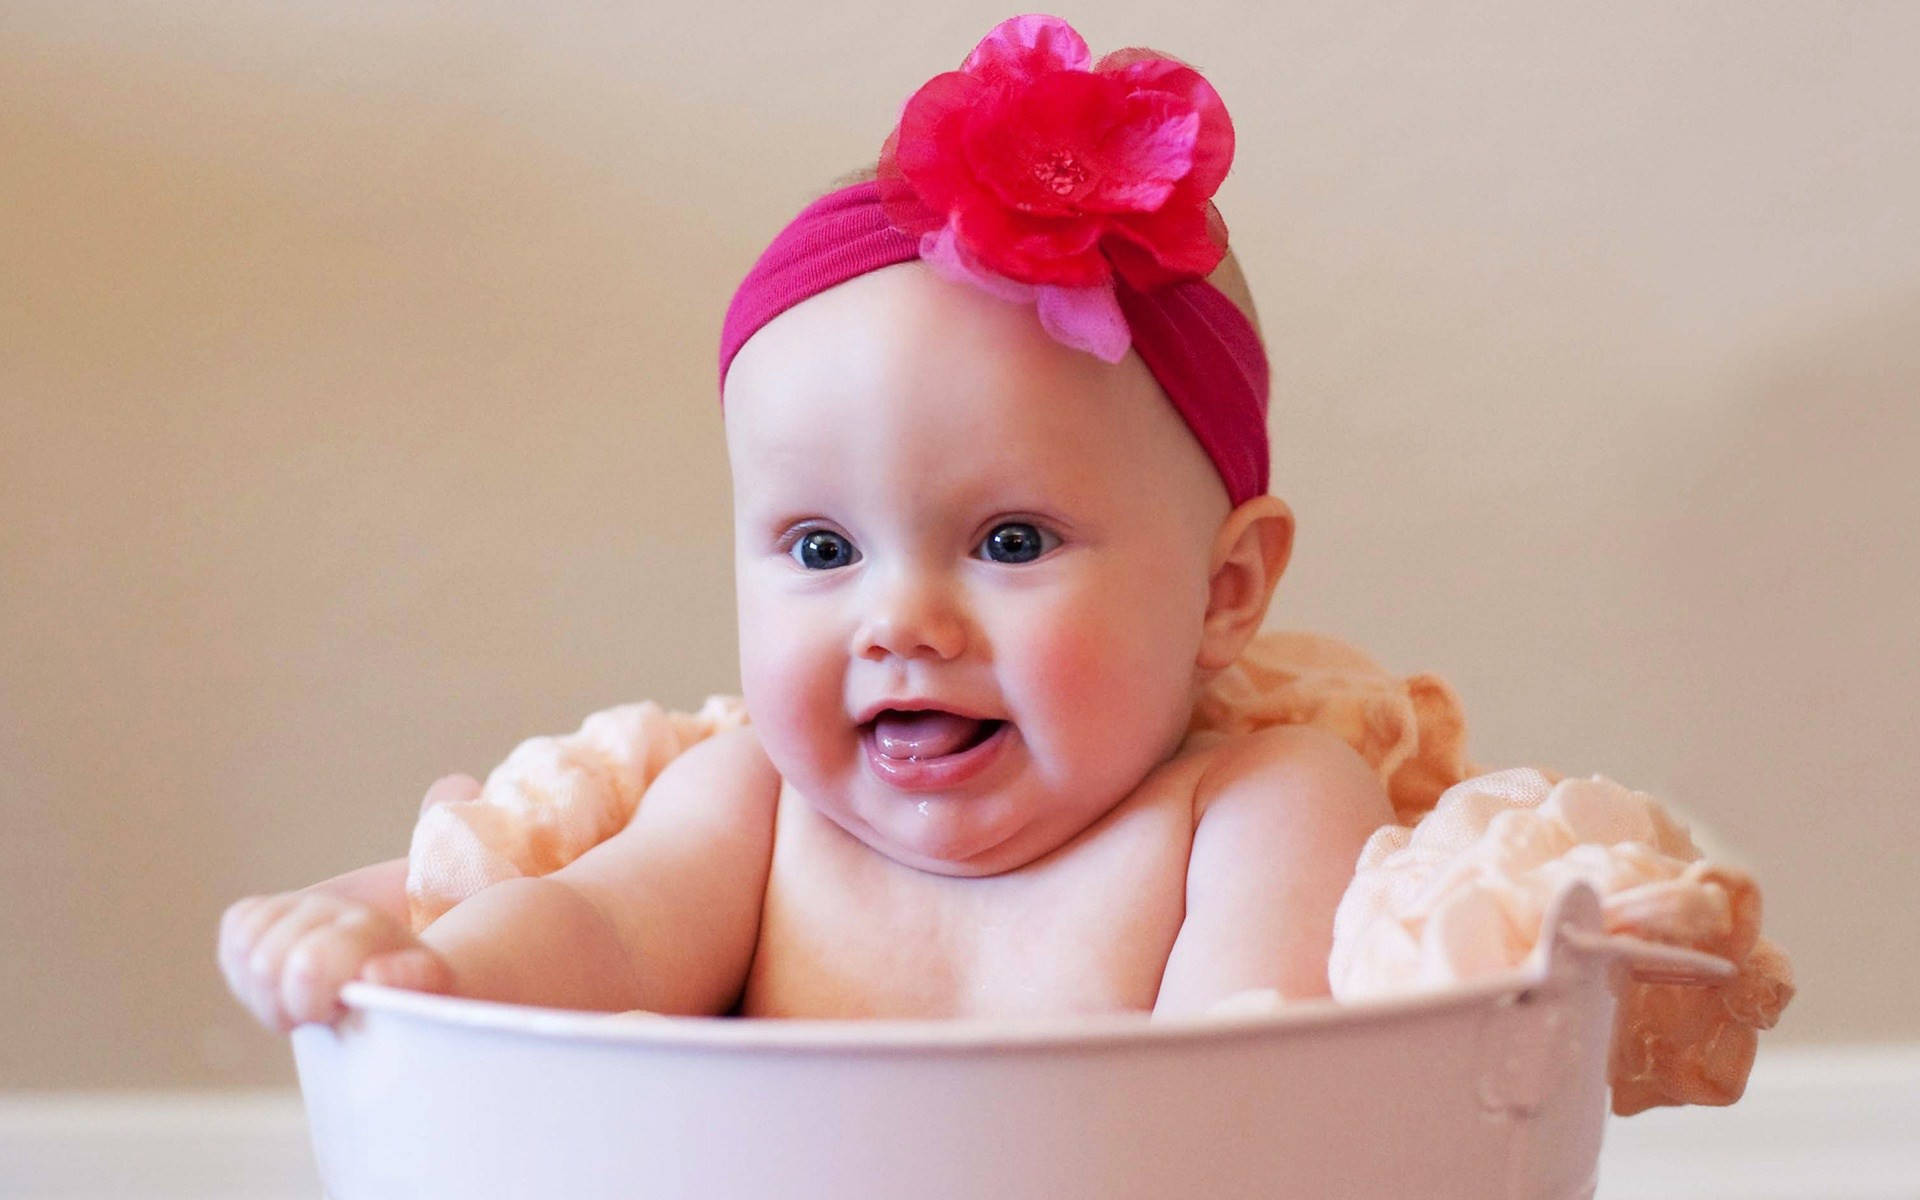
{"x": 286, "y": 956}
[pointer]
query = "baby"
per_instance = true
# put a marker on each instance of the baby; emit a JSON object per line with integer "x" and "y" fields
{"x": 996, "y": 424}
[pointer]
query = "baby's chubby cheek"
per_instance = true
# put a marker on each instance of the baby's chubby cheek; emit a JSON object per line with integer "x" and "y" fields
{"x": 794, "y": 700}
{"x": 1100, "y": 699}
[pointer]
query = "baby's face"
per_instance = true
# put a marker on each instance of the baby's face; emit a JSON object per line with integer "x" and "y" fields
{"x": 939, "y": 510}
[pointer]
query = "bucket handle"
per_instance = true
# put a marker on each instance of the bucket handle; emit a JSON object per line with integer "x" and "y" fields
{"x": 1652, "y": 962}
{"x": 1573, "y": 922}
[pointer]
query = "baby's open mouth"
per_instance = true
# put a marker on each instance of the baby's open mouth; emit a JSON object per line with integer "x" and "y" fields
{"x": 926, "y": 733}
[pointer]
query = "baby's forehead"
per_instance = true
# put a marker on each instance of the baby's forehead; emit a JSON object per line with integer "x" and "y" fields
{"x": 962, "y": 451}
{"x": 932, "y": 425}
{"x": 904, "y": 323}
{"x": 903, "y": 336}
{"x": 901, "y": 367}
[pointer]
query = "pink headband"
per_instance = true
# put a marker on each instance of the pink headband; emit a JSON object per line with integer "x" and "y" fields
{"x": 1121, "y": 270}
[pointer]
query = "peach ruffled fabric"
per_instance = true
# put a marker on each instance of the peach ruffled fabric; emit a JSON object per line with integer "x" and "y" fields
{"x": 1410, "y": 730}
{"x": 1455, "y": 890}
{"x": 1462, "y": 894}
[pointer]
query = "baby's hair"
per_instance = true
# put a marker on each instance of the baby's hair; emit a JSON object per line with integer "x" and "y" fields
{"x": 1227, "y": 276}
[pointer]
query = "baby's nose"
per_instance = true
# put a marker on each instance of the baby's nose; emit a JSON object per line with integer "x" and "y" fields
{"x": 911, "y": 616}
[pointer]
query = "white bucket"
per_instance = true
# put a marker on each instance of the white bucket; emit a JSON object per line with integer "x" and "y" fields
{"x": 1492, "y": 1090}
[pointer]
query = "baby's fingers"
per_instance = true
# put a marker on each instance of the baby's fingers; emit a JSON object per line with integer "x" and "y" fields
{"x": 242, "y": 926}
{"x": 326, "y": 957}
{"x": 258, "y": 972}
{"x": 416, "y": 968}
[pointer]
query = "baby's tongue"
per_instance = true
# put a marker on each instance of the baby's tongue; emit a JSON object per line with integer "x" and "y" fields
{"x": 926, "y": 734}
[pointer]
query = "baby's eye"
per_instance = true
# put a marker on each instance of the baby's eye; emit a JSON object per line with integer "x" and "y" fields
{"x": 823, "y": 550}
{"x": 1017, "y": 542}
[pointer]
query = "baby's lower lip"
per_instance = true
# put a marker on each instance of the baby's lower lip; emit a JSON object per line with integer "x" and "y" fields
{"x": 934, "y": 774}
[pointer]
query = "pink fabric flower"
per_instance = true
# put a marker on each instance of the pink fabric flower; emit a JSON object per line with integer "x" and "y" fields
{"x": 1038, "y": 174}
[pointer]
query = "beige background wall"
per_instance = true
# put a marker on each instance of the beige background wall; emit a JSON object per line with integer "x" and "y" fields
{"x": 357, "y": 419}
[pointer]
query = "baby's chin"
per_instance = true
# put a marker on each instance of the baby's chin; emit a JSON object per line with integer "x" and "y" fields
{"x": 964, "y": 836}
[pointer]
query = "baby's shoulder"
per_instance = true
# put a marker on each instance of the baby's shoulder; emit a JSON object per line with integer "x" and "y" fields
{"x": 722, "y": 780}
{"x": 710, "y": 810}
{"x": 1280, "y": 817}
{"x": 1287, "y": 773}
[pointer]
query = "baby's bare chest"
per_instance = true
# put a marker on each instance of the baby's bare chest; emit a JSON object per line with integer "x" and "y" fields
{"x": 846, "y": 932}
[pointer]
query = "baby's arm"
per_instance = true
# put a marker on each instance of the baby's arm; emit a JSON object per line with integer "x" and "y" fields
{"x": 1281, "y": 818}
{"x": 663, "y": 916}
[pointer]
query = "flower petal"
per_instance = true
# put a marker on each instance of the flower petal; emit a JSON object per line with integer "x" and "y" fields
{"x": 926, "y": 143}
{"x": 1148, "y": 70}
{"x": 1086, "y": 318}
{"x": 902, "y": 204}
{"x": 1031, "y": 249}
{"x": 1145, "y": 155}
{"x": 1021, "y": 48}
{"x": 1116, "y": 61}
{"x": 1185, "y": 238}
{"x": 943, "y": 252}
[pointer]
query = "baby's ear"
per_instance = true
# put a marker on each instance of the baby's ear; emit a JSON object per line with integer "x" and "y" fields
{"x": 1249, "y": 555}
